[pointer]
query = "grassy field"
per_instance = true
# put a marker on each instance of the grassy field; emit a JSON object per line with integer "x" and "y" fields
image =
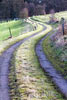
{"x": 4, "y": 45}
{"x": 17, "y": 28}
{"x": 46, "y": 18}
{"x": 53, "y": 53}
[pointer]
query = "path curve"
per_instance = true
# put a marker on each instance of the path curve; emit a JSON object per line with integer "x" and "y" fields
{"x": 5, "y": 59}
{"x": 58, "y": 79}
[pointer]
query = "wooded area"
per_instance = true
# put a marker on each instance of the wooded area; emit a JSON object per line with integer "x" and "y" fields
{"x": 10, "y": 9}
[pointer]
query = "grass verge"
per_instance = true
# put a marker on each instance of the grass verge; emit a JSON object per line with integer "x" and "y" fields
{"x": 53, "y": 55}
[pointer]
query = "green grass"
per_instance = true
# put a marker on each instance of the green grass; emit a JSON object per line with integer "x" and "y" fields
{"x": 33, "y": 83}
{"x": 45, "y": 18}
{"x": 16, "y": 28}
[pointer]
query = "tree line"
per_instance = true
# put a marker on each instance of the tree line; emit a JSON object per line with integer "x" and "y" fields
{"x": 10, "y": 9}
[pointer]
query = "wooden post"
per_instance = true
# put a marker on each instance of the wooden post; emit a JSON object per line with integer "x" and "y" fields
{"x": 62, "y": 22}
{"x": 10, "y": 32}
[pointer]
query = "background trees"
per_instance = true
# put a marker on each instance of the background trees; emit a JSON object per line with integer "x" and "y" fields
{"x": 18, "y": 5}
{"x": 39, "y": 10}
{"x": 24, "y": 13}
{"x": 31, "y": 9}
{"x": 13, "y": 8}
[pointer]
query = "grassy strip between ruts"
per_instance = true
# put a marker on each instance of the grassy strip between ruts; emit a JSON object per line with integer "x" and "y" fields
{"x": 27, "y": 79}
{"x": 6, "y": 44}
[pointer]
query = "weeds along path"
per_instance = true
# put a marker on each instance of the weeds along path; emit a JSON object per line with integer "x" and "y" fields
{"x": 31, "y": 81}
{"x": 58, "y": 79}
{"x": 4, "y": 68}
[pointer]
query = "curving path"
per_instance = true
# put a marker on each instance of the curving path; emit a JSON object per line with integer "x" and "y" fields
{"x": 4, "y": 68}
{"x": 5, "y": 59}
{"x": 58, "y": 79}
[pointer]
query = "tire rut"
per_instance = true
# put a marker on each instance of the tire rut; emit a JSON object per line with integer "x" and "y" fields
{"x": 5, "y": 59}
{"x": 58, "y": 79}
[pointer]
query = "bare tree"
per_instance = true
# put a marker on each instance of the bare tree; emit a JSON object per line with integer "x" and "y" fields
{"x": 18, "y": 5}
{"x": 31, "y": 9}
{"x": 39, "y": 10}
{"x": 26, "y": 5}
{"x": 24, "y": 13}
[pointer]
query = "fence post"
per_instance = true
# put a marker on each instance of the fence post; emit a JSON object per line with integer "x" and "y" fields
{"x": 10, "y": 32}
{"x": 62, "y": 22}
